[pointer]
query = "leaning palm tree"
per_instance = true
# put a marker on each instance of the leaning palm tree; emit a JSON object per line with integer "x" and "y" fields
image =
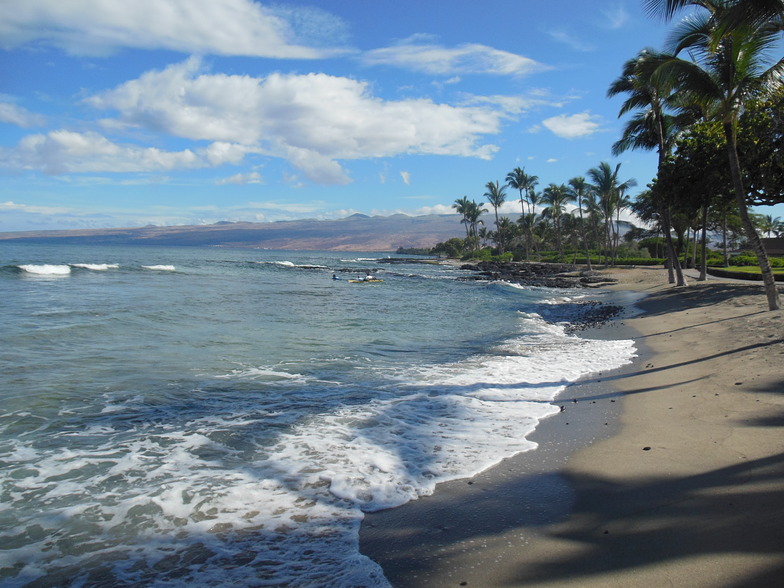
{"x": 729, "y": 66}
{"x": 496, "y": 195}
{"x": 651, "y": 127}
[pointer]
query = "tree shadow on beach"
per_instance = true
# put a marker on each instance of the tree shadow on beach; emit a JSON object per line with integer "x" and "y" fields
{"x": 703, "y": 294}
{"x": 612, "y": 526}
{"x": 734, "y": 509}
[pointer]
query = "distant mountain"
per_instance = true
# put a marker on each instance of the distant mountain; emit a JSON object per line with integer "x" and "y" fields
{"x": 355, "y": 233}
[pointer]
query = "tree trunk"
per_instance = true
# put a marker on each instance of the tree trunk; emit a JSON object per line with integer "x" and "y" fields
{"x": 585, "y": 241}
{"x": 675, "y": 264}
{"x": 751, "y": 234}
{"x": 704, "y": 244}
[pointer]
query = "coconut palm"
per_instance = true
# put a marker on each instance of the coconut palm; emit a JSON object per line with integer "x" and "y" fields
{"x": 523, "y": 183}
{"x": 473, "y": 212}
{"x": 651, "y": 127}
{"x": 462, "y": 206}
{"x": 496, "y": 195}
{"x": 729, "y": 66}
{"x": 578, "y": 188}
{"x": 556, "y": 197}
{"x": 738, "y": 12}
{"x": 607, "y": 188}
{"x": 768, "y": 225}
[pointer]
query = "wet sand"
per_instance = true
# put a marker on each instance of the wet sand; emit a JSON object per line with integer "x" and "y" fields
{"x": 668, "y": 472}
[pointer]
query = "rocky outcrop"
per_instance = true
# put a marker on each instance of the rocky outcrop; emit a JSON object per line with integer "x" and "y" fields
{"x": 549, "y": 275}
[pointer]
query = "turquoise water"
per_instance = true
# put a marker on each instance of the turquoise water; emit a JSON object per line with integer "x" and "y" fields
{"x": 224, "y": 417}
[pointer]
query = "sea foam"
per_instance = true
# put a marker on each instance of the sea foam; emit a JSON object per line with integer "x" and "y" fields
{"x": 46, "y": 269}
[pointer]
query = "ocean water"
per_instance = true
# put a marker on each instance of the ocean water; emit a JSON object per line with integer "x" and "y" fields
{"x": 224, "y": 417}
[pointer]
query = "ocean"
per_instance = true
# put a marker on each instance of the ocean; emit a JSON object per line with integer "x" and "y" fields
{"x": 224, "y": 417}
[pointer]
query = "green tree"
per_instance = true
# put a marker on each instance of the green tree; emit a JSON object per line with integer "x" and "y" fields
{"x": 608, "y": 189}
{"x": 556, "y": 197}
{"x": 729, "y": 66}
{"x": 462, "y": 206}
{"x": 496, "y": 195}
{"x": 579, "y": 188}
{"x": 523, "y": 183}
{"x": 651, "y": 127}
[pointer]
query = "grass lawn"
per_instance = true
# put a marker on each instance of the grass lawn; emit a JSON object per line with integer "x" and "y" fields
{"x": 749, "y": 269}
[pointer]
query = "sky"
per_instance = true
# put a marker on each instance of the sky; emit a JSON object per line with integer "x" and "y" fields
{"x": 172, "y": 112}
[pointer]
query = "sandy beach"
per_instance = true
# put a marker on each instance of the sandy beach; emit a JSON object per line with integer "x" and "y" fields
{"x": 669, "y": 472}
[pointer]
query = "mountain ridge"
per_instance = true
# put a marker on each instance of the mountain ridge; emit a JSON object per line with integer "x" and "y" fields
{"x": 357, "y": 232}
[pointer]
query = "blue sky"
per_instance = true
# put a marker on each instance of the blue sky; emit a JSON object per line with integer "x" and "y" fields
{"x": 197, "y": 111}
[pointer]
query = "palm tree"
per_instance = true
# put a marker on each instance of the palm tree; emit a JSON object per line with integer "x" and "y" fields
{"x": 622, "y": 202}
{"x": 496, "y": 196}
{"x": 462, "y": 206}
{"x": 651, "y": 127}
{"x": 607, "y": 188}
{"x": 578, "y": 188}
{"x": 739, "y": 12}
{"x": 729, "y": 66}
{"x": 473, "y": 212}
{"x": 523, "y": 182}
{"x": 556, "y": 197}
{"x": 768, "y": 225}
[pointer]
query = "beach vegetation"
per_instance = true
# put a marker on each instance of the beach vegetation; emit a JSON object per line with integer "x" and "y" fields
{"x": 728, "y": 44}
{"x": 496, "y": 195}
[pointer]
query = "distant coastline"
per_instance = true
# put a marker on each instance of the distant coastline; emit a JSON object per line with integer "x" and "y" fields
{"x": 354, "y": 233}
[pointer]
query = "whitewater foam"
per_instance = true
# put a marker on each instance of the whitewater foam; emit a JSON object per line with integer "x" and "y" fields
{"x": 46, "y": 269}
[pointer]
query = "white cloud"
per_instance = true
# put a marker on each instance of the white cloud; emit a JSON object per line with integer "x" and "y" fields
{"x": 221, "y": 27}
{"x": 11, "y": 206}
{"x": 310, "y": 120}
{"x": 571, "y": 40}
{"x": 406, "y": 177}
{"x": 571, "y": 126}
{"x": 615, "y": 17}
{"x": 241, "y": 179}
{"x": 21, "y": 117}
{"x": 435, "y": 209}
{"x": 470, "y": 58}
{"x": 62, "y": 151}
{"x": 514, "y": 105}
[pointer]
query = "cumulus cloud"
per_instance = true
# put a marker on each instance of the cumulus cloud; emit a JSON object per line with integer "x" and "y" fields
{"x": 312, "y": 120}
{"x": 470, "y": 58}
{"x": 406, "y": 176}
{"x": 220, "y": 27}
{"x": 572, "y": 126}
{"x": 63, "y": 151}
{"x": 21, "y": 117}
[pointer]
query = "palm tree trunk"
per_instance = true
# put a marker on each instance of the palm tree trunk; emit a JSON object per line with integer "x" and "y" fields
{"x": 582, "y": 233}
{"x": 704, "y": 244}
{"x": 675, "y": 264}
{"x": 751, "y": 234}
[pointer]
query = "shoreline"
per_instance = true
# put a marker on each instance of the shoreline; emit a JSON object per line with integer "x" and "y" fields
{"x": 682, "y": 486}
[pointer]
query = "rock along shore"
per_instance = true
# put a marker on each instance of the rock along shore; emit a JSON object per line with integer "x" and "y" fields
{"x": 547, "y": 275}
